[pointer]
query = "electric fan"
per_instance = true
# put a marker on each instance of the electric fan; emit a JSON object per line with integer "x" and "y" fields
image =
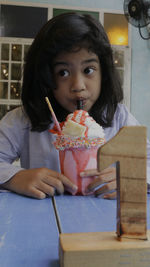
{"x": 137, "y": 13}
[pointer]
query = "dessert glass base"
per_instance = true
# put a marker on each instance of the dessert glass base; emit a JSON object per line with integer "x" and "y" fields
{"x": 76, "y": 160}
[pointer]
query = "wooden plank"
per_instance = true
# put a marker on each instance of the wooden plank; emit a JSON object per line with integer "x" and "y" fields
{"x": 128, "y": 147}
{"x": 103, "y": 249}
{"x": 28, "y": 232}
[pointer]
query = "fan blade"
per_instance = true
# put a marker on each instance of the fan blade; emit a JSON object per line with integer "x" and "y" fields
{"x": 136, "y": 12}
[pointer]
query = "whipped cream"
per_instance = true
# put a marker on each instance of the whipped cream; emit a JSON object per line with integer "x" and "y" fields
{"x": 80, "y": 124}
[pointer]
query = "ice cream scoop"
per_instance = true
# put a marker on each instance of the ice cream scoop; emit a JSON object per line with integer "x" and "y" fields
{"x": 80, "y": 124}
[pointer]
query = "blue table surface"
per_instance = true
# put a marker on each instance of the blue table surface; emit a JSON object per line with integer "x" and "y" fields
{"x": 89, "y": 214}
{"x": 29, "y": 234}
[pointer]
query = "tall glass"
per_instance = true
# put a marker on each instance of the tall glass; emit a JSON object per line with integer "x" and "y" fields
{"x": 76, "y": 160}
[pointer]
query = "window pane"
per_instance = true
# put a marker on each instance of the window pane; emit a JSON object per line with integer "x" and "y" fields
{"x": 15, "y": 71}
{"x": 16, "y": 52}
{"x": 15, "y": 89}
{"x": 4, "y": 90}
{"x": 26, "y": 48}
{"x": 4, "y": 71}
{"x": 5, "y": 52}
{"x": 22, "y": 21}
{"x": 116, "y": 27}
{"x": 118, "y": 58}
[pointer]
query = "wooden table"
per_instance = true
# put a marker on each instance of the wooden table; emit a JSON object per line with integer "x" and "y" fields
{"x": 29, "y": 233}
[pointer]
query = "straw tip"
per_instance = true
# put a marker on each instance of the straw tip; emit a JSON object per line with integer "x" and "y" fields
{"x": 46, "y": 98}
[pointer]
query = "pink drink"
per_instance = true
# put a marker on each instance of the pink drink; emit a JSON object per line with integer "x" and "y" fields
{"x": 75, "y": 160}
{"x": 77, "y": 143}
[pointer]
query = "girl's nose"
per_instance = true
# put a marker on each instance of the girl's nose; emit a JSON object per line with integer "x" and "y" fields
{"x": 78, "y": 84}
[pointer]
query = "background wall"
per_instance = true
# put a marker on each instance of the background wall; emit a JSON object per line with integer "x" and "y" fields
{"x": 140, "y": 56}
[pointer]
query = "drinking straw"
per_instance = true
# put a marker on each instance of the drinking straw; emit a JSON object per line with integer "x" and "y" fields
{"x": 53, "y": 114}
{"x": 80, "y": 104}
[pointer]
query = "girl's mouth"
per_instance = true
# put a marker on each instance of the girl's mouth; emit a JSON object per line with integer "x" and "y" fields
{"x": 80, "y": 102}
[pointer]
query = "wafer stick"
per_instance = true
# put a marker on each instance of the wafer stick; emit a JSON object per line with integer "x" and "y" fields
{"x": 53, "y": 114}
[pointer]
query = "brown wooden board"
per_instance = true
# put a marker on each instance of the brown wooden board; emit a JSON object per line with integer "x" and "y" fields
{"x": 128, "y": 148}
{"x": 103, "y": 249}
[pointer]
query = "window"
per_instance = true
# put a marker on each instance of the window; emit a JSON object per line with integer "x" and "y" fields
{"x": 12, "y": 56}
{"x": 122, "y": 58}
{"x": 18, "y": 24}
{"x": 116, "y": 27}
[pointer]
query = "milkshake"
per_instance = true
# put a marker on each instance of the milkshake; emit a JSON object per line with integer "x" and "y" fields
{"x": 78, "y": 142}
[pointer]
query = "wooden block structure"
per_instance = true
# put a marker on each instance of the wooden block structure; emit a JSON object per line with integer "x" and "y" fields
{"x": 131, "y": 245}
{"x": 128, "y": 148}
{"x": 103, "y": 249}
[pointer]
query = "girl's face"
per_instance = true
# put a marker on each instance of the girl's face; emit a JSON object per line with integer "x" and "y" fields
{"x": 77, "y": 76}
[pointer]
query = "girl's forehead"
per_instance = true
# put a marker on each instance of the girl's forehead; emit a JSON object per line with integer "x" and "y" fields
{"x": 76, "y": 52}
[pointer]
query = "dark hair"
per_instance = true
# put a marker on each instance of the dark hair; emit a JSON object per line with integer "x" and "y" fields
{"x": 63, "y": 33}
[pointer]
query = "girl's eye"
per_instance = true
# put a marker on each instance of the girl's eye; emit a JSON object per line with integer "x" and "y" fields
{"x": 63, "y": 73}
{"x": 88, "y": 70}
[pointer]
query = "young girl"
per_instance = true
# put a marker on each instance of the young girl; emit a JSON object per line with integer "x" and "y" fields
{"x": 70, "y": 59}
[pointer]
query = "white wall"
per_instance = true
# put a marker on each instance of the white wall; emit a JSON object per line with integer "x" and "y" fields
{"x": 140, "y": 87}
{"x": 140, "y": 56}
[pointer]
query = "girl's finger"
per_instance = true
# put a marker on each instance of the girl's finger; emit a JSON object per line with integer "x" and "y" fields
{"x": 51, "y": 182}
{"x": 47, "y": 188}
{"x": 35, "y": 193}
{"x": 95, "y": 172}
{"x": 108, "y": 170}
{"x": 91, "y": 172}
{"x": 64, "y": 180}
{"x": 99, "y": 181}
{"x": 106, "y": 188}
{"x": 72, "y": 188}
{"x": 112, "y": 195}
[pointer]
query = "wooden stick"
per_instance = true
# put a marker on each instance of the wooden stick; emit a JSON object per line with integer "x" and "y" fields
{"x": 53, "y": 114}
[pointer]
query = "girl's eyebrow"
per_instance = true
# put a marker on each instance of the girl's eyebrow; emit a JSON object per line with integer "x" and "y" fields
{"x": 91, "y": 60}
{"x": 60, "y": 63}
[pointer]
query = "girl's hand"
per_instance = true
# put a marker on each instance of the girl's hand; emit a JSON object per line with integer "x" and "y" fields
{"x": 106, "y": 178}
{"x": 38, "y": 183}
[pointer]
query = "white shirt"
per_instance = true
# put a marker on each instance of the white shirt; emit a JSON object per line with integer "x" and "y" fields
{"x": 36, "y": 149}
